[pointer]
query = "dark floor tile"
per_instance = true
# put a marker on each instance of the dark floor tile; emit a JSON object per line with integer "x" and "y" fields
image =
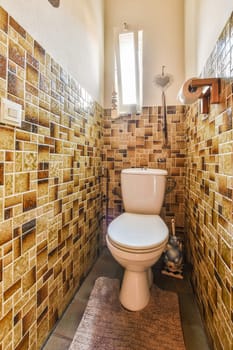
{"x": 57, "y": 343}
{"x": 194, "y": 334}
{"x": 71, "y": 319}
{"x": 195, "y": 338}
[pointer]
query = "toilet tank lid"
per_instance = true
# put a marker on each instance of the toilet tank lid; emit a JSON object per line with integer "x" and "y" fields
{"x": 144, "y": 171}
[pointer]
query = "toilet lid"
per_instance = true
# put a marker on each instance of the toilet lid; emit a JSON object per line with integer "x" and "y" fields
{"x": 138, "y": 231}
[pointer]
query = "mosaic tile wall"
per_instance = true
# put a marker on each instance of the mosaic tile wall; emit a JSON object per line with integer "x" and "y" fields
{"x": 50, "y": 189}
{"x": 138, "y": 141}
{"x": 209, "y": 195}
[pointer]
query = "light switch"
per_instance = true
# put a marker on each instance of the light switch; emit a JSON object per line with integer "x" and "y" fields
{"x": 11, "y": 112}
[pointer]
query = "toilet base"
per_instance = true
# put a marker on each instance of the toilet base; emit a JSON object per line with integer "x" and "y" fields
{"x": 135, "y": 289}
{"x": 150, "y": 277}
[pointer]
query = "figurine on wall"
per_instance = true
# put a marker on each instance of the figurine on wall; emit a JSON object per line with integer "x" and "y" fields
{"x": 173, "y": 256}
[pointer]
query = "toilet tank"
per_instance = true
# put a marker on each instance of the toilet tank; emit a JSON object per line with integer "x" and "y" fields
{"x": 143, "y": 190}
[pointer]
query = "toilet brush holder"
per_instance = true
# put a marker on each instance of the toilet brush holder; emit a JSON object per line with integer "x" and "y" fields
{"x": 173, "y": 255}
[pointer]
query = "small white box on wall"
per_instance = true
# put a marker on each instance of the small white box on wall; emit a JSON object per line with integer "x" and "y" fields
{"x": 10, "y": 113}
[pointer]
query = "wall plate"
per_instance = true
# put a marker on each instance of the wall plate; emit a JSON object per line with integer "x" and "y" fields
{"x": 11, "y": 112}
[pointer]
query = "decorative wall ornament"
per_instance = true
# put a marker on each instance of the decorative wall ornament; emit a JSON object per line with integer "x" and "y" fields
{"x": 55, "y": 3}
{"x": 163, "y": 81}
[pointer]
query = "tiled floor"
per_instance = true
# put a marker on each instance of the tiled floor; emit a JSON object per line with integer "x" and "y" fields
{"x": 194, "y": 335}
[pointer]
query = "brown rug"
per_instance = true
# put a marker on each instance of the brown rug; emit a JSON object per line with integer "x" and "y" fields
{"x": 106, "y": 325}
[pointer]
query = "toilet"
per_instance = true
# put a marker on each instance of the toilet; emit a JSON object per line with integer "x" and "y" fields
{"x": 137, "y": 238}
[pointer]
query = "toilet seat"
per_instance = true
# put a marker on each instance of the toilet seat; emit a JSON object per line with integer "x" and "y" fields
{"x": 138, "y": 233}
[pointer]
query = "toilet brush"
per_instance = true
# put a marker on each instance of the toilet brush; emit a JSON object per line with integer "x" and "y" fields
{"x": 173, "y": 255}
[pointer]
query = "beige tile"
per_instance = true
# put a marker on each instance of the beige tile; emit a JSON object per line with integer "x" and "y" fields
{"x": 16, "y": 53}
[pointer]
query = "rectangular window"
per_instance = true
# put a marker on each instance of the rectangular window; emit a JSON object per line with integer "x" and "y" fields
{"x": 128, "y": 69}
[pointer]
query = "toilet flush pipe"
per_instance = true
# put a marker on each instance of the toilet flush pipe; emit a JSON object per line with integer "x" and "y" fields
{"x": 105, "y": 174}
{"x": 164, "y": 117}
{"x": 107, "y": 198}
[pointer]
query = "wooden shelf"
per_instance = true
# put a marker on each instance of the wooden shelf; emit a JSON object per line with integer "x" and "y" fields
{"x": 211, "y": 95}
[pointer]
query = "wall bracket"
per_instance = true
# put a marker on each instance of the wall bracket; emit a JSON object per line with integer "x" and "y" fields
{"x": 211, "y": 94}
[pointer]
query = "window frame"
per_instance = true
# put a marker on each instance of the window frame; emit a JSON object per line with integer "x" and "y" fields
{"x": 128, "y": 108}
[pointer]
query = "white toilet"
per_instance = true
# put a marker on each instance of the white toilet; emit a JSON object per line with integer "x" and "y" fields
{"x": 138, "y": 237}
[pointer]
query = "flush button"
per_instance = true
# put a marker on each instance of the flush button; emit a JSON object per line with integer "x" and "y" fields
{"x": 11, "y": 112}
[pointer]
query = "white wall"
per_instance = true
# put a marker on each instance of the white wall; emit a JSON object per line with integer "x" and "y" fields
{"x": 72, "y": 34}
{"x": 190, "y": 15}
{"x": 163, "y": 27}
{"x": 204, "y": 22}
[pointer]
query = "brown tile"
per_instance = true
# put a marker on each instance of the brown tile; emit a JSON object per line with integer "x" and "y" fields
{"x": 42, "y": 294}
{"x": 0, "y": 270}
{"x": 15, "y": 99}
{"x": 29, "y": 279}
{"x": 8, "y": 213}
{"x": 12, "y": 67}
{"x": 7, "y": 138}
{"x": 24, "y": 344}
{"x": 3, "y": 65}
{"x": 5, "y": 325}
{"x": 21, "y": 135}
{"x": 42, "y": 330}
{"x": 12, "y": 290}
{"x": 44, "y": 84}
{"x": 17, "y": 248}
{"x": 228, "y": 164}
{"x": 67, "y": 175}
{"x": 31, "y": 113}
{"x": 44, "y": 118}
{"x": 9, "y": 183}
{"x": 5, "y": 232}
{"x": 15, "y": 86}
{"x": 9, "y": 156}
{"x": 43, "y": 188}
{"x": 32, "y": 75}
{"x": 22, "y": 183}
{"x": 20, "y": 266}
{"x": 31, "y": 89}
{"x": 43, "y": 153}
{"x": 39, "y": 52}
{"x": 226, "y": 253}
{"x": 43, "y": 176}
{"x": 29, "y": 201}
{"x": 42, "y": 257}
{"x": 3, "y": 20}
{"x": 28, "y": 225}
{"x": 57, "y": 207}
{"x": 28, "y": 47}
{"x": 32, "y": 61}
{"x": 55, "y": 107}
{"x": 17, "y": 27}
{"x": 28, "y": 240}
{"x": 13, "y": 201}
{"x": 222, "y": 185}
{"x": 29, "y": 319}
{"x": 1, "y": 174}
{"x": 16, "y": 53}
{"x": 30, "y": 161}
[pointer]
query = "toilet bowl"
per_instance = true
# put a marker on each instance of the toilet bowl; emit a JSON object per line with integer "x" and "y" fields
{"x": 136, "y": 255}
{"x": 137, "y": 238}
